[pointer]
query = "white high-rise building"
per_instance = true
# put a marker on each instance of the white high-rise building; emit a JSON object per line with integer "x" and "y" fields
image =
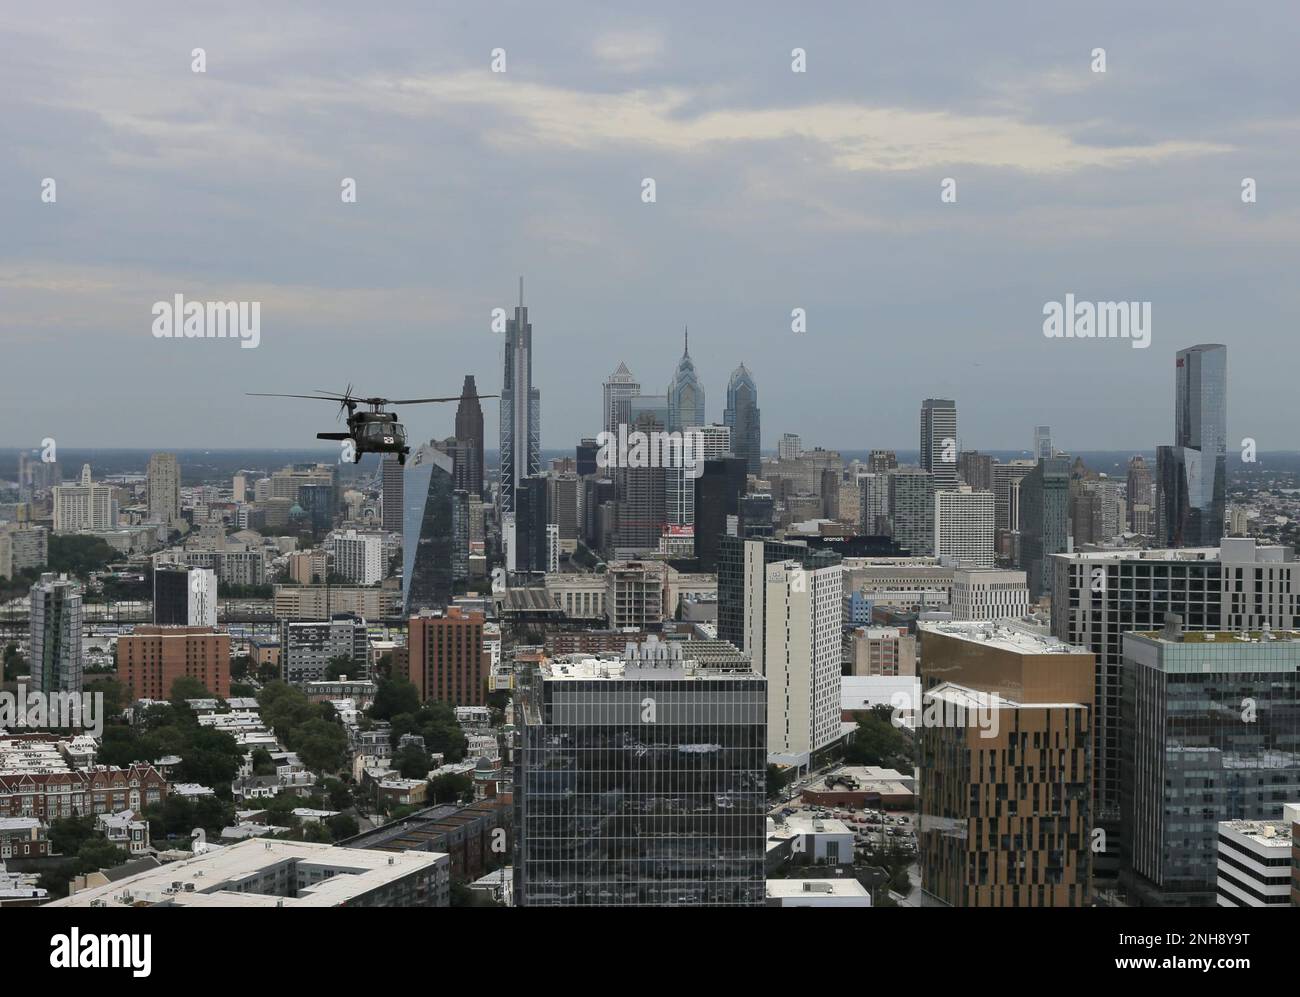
{"x": 801, "y": 656}
{"x": 359, "y": 557}
{"x": 939, "y": 440}
{"x": 619, "y": 389}
{"x": 989, "y": 594}
{"x": 202, "y": 603}
{"x": 1254, "y": 861}
{"x": 789, "y": 446}
{"x": 963, "y": 527}
{"x": 164, "y": 485}
{"x": 85, "y": 506}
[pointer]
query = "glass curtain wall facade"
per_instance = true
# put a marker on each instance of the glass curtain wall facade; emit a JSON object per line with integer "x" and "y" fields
{"x": 646, "y": 789}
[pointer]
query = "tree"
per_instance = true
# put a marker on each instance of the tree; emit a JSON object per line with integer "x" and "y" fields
{"x": 412, "y": 762}
{"x": 78, "y": 554}
{"x": 776, "y": 781}
{"x": 338, "y": 666}
{"x": 114, "y": 693}
{"x": 186, "y": 687}
{"x": 342, "y": 826}
{"x": 240, "y": 666}
{"x": 451, "y": 788}
{"x": 263, "y": 764}
{"x": 394, "y": 697}
{"x": 14, "y": 664}
{"x": 321, "y": 745}
{"x": 878, "y": 742}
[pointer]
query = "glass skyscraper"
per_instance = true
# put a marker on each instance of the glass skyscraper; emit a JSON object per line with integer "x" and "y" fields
{"x": 1210, "y": 732}
{"x": 1191, "y": 475}
{"x": 429, "y": 530}
{"x": 521, "y": 408}
{"x": 685, "y": 394}
{"x": 640, "y": 782}
{"x": 742, "y": 417}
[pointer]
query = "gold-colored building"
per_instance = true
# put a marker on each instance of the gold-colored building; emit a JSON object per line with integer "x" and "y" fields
{"x": 1004, "y": 731}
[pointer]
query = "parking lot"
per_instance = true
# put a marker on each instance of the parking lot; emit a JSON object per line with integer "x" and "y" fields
{"x": 870, "y": 827}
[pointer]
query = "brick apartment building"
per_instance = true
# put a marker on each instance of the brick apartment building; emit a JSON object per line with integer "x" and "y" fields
{"x": 446, "y": 659}
{"x": 152, "y": 658}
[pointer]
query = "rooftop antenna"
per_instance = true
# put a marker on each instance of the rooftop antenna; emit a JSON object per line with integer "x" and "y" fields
{"x": 521, "y": 290}
{"x": 686, "y": 333}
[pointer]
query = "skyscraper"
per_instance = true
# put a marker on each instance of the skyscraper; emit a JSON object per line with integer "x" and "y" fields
{"x": 1209, "y": 733}
{"x": 742, "y": 417}
{"x": 1191, "y": 475}
{"x": 185, "y": 597}
{"x": 717, "y": 496}
{"x": 391, "y": 483}
{"x": 1137, "y": 494}
{"x": 469, "y": 430}
{"x": 685, "y": 394}
{"x": 164, "y": 484}
{"x": 639, "y": 783}
{"x": 707, "y": 443}
{"x": 55, "y": 619}
{"x": 963, "y": 527}
{"x": 619, "y": 388}
{"x": 1005, "y": 789}
{"x": 521, "y": 407}
{"x": 1044, "y": 521}
{"x": 939, "y": 441}
{"x": 428, "y": 531}
{"x": 911, "y": 509}
{"x": 1043, "y": 442}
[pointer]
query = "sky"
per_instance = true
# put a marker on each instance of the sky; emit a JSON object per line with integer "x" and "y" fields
{"x": 774, "y": 190}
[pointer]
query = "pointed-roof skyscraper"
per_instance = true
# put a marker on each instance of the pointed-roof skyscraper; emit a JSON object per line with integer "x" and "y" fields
{"x": 742, "y": 416}
{"x": 469, "y": 430}
{"x": 620, "y": 387}
{"x": 685, "y": 394}
{"x": 521, "y": 407}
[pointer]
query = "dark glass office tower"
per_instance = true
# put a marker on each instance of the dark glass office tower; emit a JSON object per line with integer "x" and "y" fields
{"x": 469, "y": 430}
{"x": 318, "y": 502}
{"x": 1191, "y": 475}
{"x": 717, "y": 495}
{"x": 428, "y": 531}
{"x": 939, "y": 441}
{"x": 530, "y": 526}
{"x": 639, "y": 783}
{"x": 171, "y": 596}
{"x": 586, "y": 457}
{"x": 1211, "y": 732}
{"x": 742, "y": 416}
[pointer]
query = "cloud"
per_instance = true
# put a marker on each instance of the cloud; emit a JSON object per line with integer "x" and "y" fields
{"x": 628, "y": 51}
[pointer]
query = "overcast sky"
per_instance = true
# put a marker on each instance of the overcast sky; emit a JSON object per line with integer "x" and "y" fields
{"x": 775, "y": 190}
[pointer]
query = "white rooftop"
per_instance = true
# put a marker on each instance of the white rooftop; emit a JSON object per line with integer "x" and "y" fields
{"x": 1002, "y": 635}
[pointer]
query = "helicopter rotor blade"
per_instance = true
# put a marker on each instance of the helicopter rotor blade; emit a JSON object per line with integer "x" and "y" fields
{"x": 421, "y": 401}
{"x": 268, "y": 394}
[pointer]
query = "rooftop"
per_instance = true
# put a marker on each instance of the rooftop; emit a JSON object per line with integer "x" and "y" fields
{"x": 779, "y": 888}
{"x": 1002, "y": 635}
{"x": 215, "y": 878}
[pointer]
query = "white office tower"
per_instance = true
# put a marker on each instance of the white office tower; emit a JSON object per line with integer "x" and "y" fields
{"x": 202, "y": 601}
{"x": 1254, "y": 863}
{"x": 963, "y": 527}
{"x": 801, "y": 655}
{"x": 939, "y": 440}
{"x": 552, "y": 547}
{"x": 164, "y": 486}
{"x": 359, "y": 557}
{"x": 619, "y": 389}
{"x": 789, "y": 446}
{"x": 83, "y": 507}
{"x": 989, "y": 594}
{"x": 706, "y": 443}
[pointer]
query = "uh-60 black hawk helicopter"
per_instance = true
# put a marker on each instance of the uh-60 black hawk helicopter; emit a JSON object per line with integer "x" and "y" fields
{"x": 375, "y": 431}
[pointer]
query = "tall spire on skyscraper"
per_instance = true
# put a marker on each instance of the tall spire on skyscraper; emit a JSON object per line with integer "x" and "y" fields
{"x": 685, "y": 393}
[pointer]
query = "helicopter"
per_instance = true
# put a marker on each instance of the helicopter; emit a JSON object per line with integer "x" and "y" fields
{"x": 376, "y": 431}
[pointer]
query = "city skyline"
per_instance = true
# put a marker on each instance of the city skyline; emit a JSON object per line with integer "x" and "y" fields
{"x": 771, "y": 195}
